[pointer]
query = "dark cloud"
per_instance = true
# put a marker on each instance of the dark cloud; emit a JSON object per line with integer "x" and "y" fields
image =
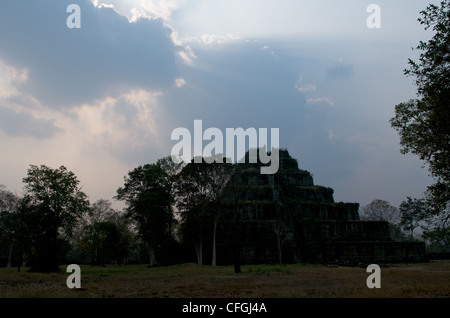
{"x": 107, "y": 55}
{"x": 20, "y": 124}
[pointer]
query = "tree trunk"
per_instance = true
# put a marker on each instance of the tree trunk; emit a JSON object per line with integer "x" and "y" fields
{"x": 213, "y": 262}
{"x": 236, "y": 243}
{"x": 10, "y": 256}
{"x": 199, "y": 250}
{"x": 96, "y": 255}
{"x": 151, "y": 252}
{"x": 236, "y": 259}
{"x": 24, "y": 260}
{"x": 279, "y": 251}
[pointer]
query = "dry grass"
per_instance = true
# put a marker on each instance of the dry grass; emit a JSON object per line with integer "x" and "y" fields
{"x": 429, "y": 280}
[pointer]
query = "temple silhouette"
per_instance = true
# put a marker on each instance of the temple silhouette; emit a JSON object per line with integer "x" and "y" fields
{"x": 286, "y": 218}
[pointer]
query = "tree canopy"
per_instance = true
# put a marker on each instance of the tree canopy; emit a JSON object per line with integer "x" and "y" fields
{"x": 424, "y": 123}
{"x": 149, "y": 195}
{"x": 54, "y": 202}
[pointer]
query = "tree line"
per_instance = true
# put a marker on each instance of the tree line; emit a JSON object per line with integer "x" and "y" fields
{"x": 171, "y": 209}
{"x": 172, "y": 214}
{"x": 412, "y": 220}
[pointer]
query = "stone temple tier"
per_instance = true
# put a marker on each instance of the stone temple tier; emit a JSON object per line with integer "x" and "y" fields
{"x": 285, "y": 218}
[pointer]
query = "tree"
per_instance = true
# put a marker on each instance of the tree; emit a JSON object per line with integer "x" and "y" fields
{"x": 220, "y": 174}
{"x": 102, "y": 242}
{"x": 423, "y": 123}
{"x": 101, "y": 211}
{"x": 54, "y": 203}
{"x": 8, "y": 205}
{"x": 8, "y": 200}
{"x": 104, "y": 236}
{"x": 437, "y": 231}
{"x": 380, "y": 210}
{"x": 282, "y": 235}
{"x": 233, "y": 197}
{"x": 413, "y": 213}
{"x": 439, "y": 238}
{"x": 149, "y": 195}
{"x": 193, "y": 200}
{"x": 200, "y": 198}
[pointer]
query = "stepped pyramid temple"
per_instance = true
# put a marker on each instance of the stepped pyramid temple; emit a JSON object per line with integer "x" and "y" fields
{"x": 285, "y": 218}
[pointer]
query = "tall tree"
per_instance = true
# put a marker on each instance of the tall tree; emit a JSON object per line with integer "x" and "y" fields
{"x": 381, "y": 210}
{"x": 423, "y": 123}
{"x": 193, "y": 200}
{"x": 220, "y": 174}
{"x": 102, "y": 243}
{"x": 101, "y": 211}
{"x": 201, "y": 199}
{"x": 282, "y": 236}
{"x": 233, "y": 197}
{"x": 8, "y": 221}
{"x": 55, "y": 202}
{"x": 413, "y": 213}
{"x": 149, "y": 196}
{"x": 104, "y": 234}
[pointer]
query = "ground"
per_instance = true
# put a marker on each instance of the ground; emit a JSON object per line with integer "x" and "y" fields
{"x": 426, "y": 280}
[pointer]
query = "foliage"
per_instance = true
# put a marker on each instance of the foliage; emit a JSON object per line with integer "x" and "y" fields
{"x": 52, "y": 204}
{"x": 149, "y": 195}
{"x": 8, "y": 222}
{"x": 101, "y": 241}
{"x": 413, "y": 213}
{"x": 380, "y": 210}
{"x": 437, "y": 232}
{"x": 439, "y": 238}
{"x": 200, "y": 199}
{"x": 423, "y": 123}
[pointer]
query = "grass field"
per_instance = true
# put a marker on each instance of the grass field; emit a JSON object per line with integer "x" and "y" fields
{"x": 429, "y": 280}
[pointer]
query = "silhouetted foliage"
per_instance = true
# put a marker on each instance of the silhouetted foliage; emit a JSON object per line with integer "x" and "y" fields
{"x": 53, "y": 203}
{"x": 200, "y": 201}
{"x": 149, "y": 196}
{"x": 413, "y": 213}
{"x": 423, "y": 123}
{"x": 380, "y": 210}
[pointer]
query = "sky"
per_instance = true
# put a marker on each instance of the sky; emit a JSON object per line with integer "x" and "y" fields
{"x": 104, "y": 98}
